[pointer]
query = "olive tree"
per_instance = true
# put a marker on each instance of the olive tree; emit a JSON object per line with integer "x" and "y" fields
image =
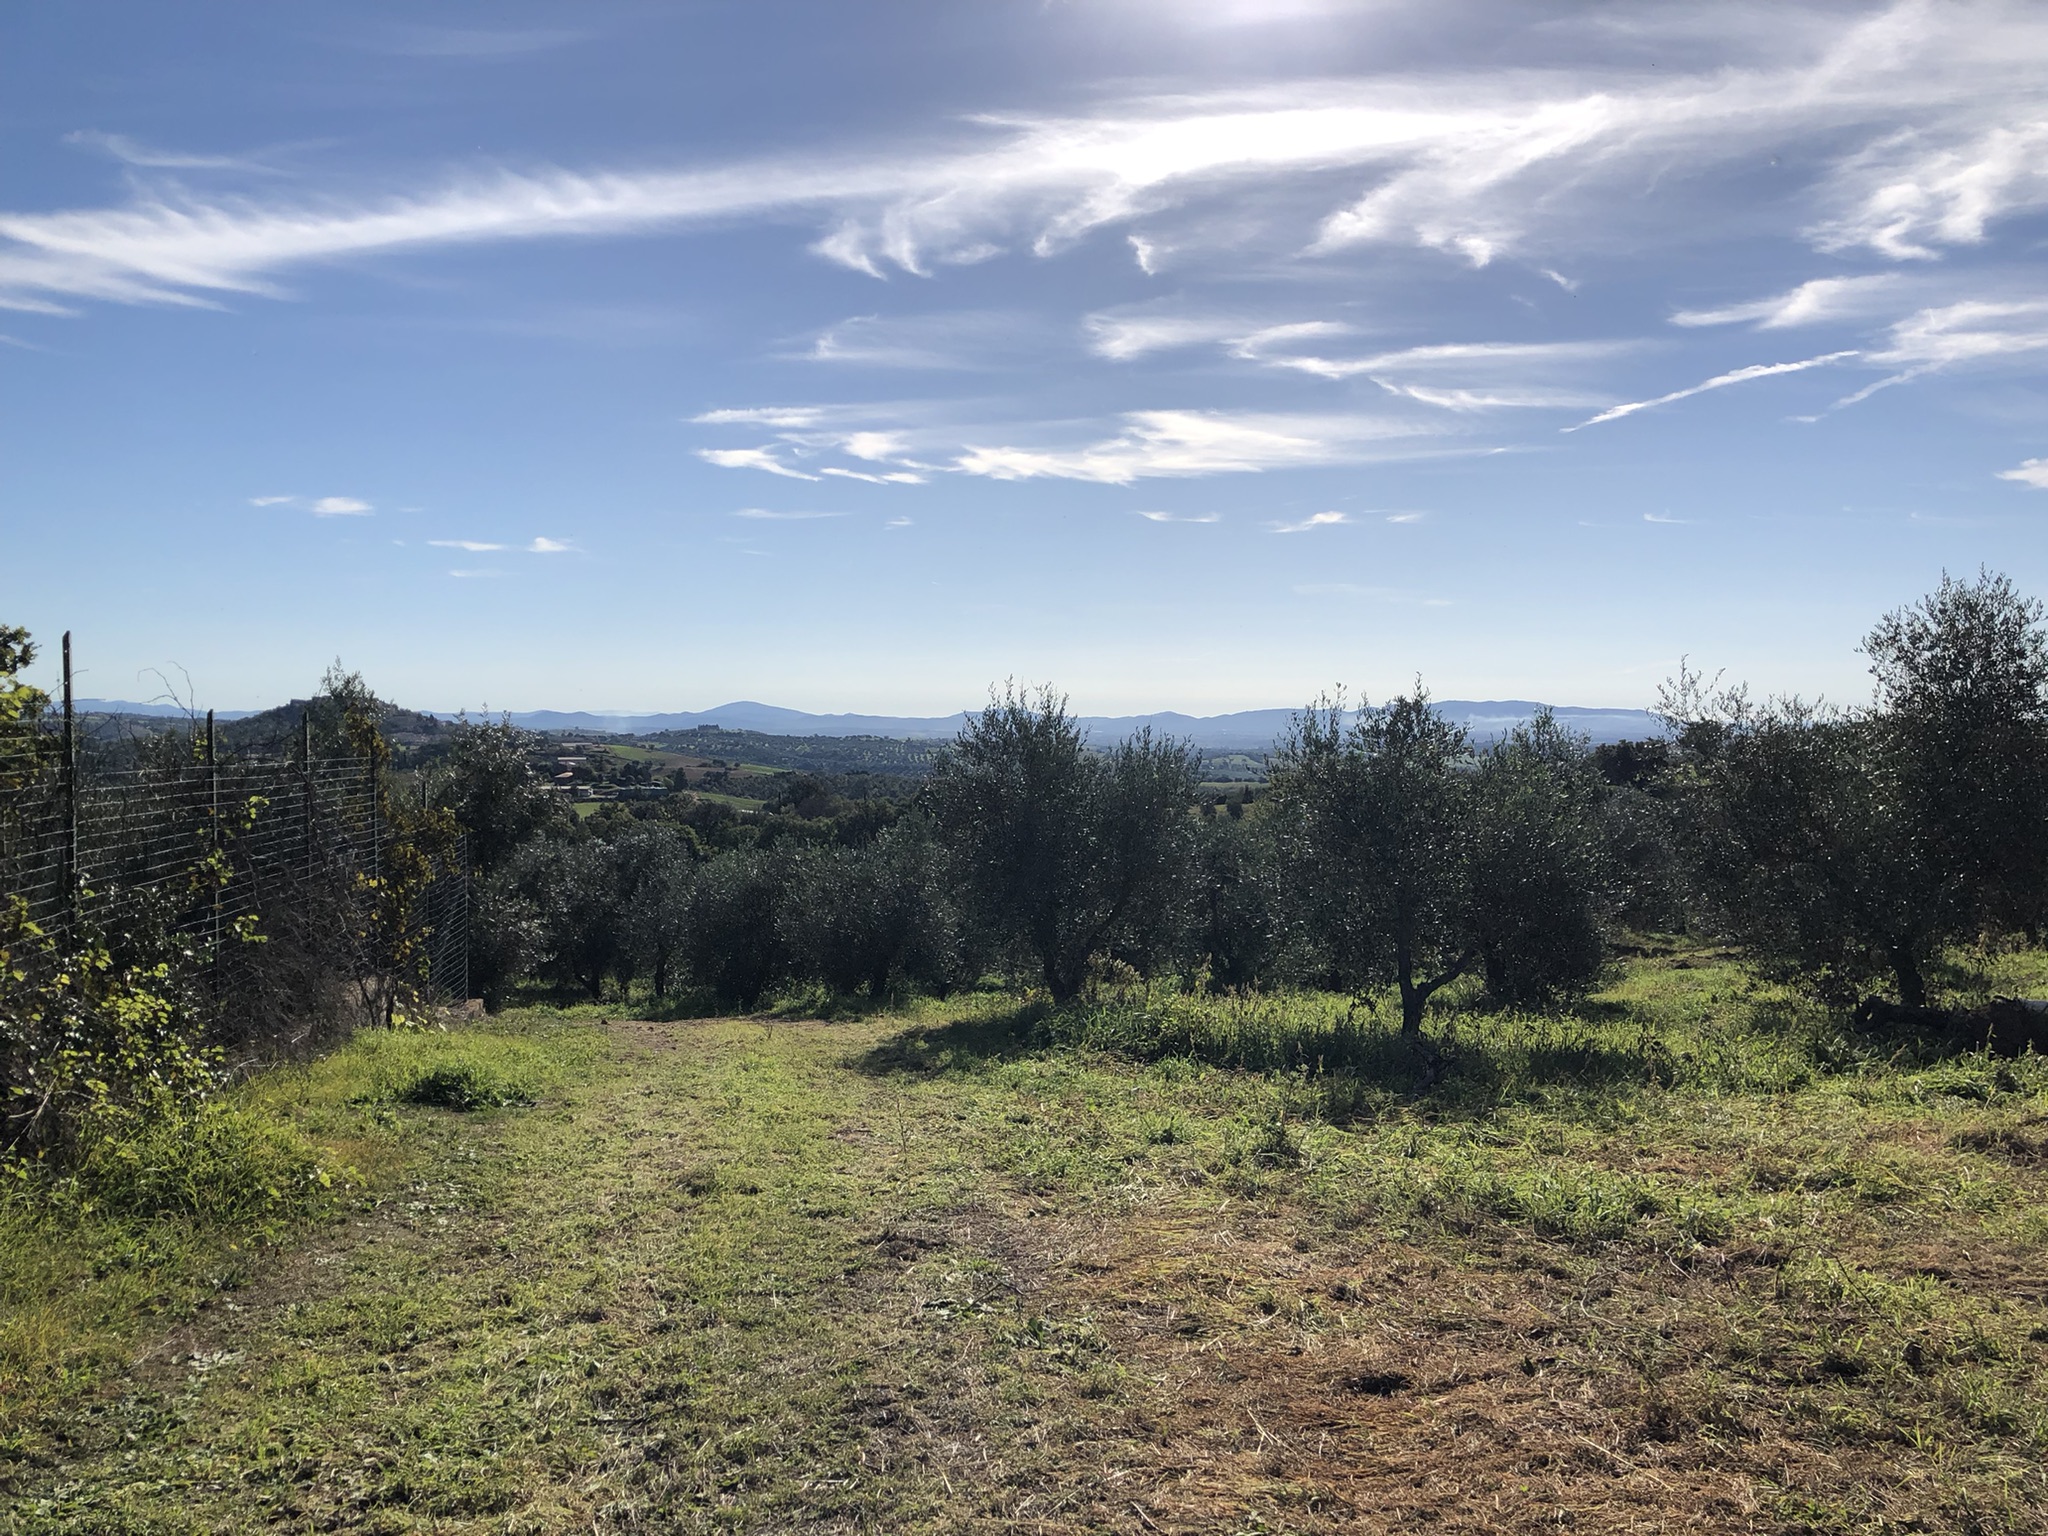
{"x": 1962, "y": 699}
{"x": 1064, "y": 852}
{"x": 1372, "y": 822}
{"x": 1234, "y": 929}
{"x": 1847, "y": 845}
{"x": 498, "y": 800}
{"x": 1537, "y": 872}
{"x": 877, "y": 913}
{"x": 734, "y": 939}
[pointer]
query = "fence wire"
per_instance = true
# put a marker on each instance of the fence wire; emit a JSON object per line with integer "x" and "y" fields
{"x": 261, "y": 868}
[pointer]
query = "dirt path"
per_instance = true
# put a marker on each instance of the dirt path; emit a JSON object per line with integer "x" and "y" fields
{"x": 730, "y": 1280}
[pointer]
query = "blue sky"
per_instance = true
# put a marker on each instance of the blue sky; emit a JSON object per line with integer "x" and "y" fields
{"x": 1189, "y": 355}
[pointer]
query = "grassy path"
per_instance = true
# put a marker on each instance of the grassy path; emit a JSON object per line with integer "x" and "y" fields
{"x": 736, "y": 1276}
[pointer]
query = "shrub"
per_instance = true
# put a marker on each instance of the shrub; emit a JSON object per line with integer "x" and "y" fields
{"x": 219, "y": 1163}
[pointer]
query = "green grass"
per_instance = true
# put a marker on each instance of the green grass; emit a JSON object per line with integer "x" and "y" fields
{"x": 1686, "y": 1256}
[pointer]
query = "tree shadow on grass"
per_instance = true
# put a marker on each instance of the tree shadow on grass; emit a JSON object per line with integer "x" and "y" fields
{"x": 1358, "y": 1068}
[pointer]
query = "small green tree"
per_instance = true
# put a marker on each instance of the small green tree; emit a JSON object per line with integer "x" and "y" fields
{"x": 1372, "y": 819}
{"x": 875, "y": 914}
{"x": 22, "y": 743}
{"x": 734, "y": 940}
{"x": 579, "y": 909}
{"x": 1847, "y": 845}
{"x": 1962, "y": 701}
{"x": 1234, "y": 931}
{"x": 1537, "y": 871}
{"x": 655, "y": 865}
{"x": 498, "y": 799}
{"x": 1066, "y": 853}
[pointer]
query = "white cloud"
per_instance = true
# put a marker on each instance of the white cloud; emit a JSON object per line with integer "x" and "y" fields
{"x": 1971, "y": 331}
{"x": 1314, "y": 520}
{"x": 897, "y": 522}
{"x": 1664, "y": 517}
{"x": 764, "y": 515}
{"x": 751, "y": 458}
{"x": 1406, "y": 517}
{"x": 893, "y": 477}
{"x": 1182, "y": 517}
{"x": 952, "y": 339}
{"x": 546, "y": 546}
{"x": 764, "y": 416}
{"x": 1911, "y": 192}
{"x": 1157, "y": 444}
{"x": 1719, "y": 381}
{"x": 475, "y": 574}
{"x": 2032, "y": 472}
{"x": 1456, "y": 376}
{"x": 1124, "y": 335}
{"x": 876, "y": 447}
{"x": 132, "y": 152}
{"x": 1974, "y": 331}
{"x": 471, "y": 546}
{"x": 1811, "y": 303}
{"x": 1928, "y": 123}
{"x": 341, "y": 506}
{"x": 272, "y": 501}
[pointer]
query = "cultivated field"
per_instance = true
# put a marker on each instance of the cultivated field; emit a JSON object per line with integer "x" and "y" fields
{"x": 1687, "y": 1258}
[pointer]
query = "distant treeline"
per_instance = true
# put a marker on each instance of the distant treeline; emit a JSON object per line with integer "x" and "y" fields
{"x": 1846, "y": 848}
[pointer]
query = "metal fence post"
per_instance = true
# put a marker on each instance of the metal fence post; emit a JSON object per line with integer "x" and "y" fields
{"x": 213, "y": 828}
{"x": 70, "y": 845}
{"x": 306, "y": 771}
{"x": 464, "y": 859}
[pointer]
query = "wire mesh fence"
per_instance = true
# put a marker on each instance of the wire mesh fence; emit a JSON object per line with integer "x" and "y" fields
{"x": 266, "y": 873}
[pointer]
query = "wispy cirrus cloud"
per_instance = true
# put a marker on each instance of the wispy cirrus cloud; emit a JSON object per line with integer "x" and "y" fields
{"x": 471, "y": 546}
{"x": 322, "y": 506}
{"x": 1313, "y": 520}
{"x": 1178, "y": 444}
{"x": 1182, "y": 517}
{"x": 764, "y": 416}
{"x": 2032, "y": 472}
{"x": 1811, "y": 303}
{"x": 1456, "y": 376}
{"x": 1935, "y": 119}
{"x": 887, "y": 477}
{"x": 751, "y": 458}
{"x": 1719, "y": 381}
{"x": 1124, "y": 336}
{"x": 1139, "y": 445}
{"x": 129, "y": 151}
{"x": 953, "y": 339}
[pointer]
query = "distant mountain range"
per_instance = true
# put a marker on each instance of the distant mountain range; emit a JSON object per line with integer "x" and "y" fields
{"x": 1250, "y": 730}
